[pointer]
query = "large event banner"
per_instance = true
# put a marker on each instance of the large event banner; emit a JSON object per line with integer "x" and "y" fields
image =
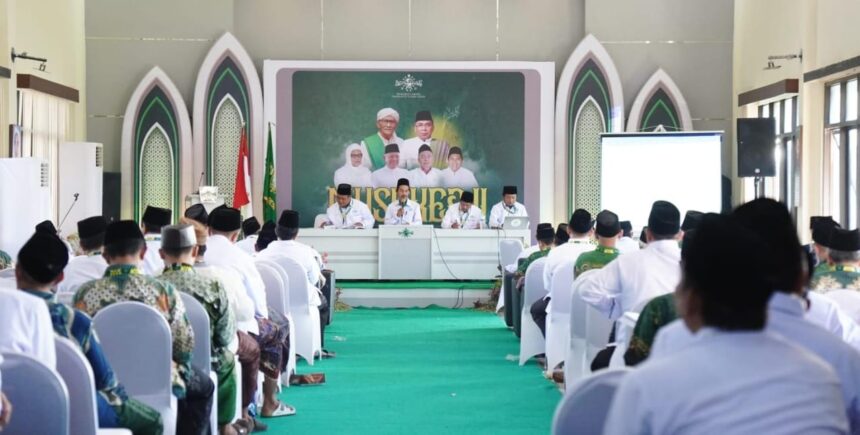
{"x": 446, "y": 131}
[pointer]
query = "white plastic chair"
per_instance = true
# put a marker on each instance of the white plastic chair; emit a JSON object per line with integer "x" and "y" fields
{"x": 306, "y": 317}
{"x": 575, "y": 365}
{"x": 848, "y": 301}
{"x": 509, "y": 250}
{"x": 558, "y": 316}
{"x": 201, "y": 356}
{"x": 597, "y": 330}
{"x": 584, "y": 408}
{"x": 278, "y": 298}
{"x": 623, "y": 334}
{"x": 140, "y": 356}
{"x": 38, "y": 395}
{"x": 531, "y": 340}
{"x": 78, "y": 376}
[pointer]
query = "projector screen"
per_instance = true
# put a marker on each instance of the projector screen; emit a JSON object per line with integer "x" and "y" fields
{"x": 640, "y": 168}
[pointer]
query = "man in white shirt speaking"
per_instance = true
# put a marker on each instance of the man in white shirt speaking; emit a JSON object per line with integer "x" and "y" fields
{"x": 508, "y": 206}
{"x": 735, "y": 378}
{"x": 348, "y": 212}
{"x": 464, "y": 215}
{"x": 404, "y": 211}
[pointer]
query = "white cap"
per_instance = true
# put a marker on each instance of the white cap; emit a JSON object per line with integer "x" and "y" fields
{"x": 388, "y": 112}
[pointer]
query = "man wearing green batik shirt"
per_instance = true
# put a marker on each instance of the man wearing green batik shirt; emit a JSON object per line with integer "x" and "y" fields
{"x": 843, "y": 265}
{"x": 545, "y": 236}
{"x": 41, "y": 266}
{"x": 179, "y": 252}
{"x": 124, "y": 250}
{"x": 608, "y": 230}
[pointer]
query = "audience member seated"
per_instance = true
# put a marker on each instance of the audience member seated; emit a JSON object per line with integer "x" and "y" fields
{"x": 91, "y": 265}
{"x": 843, "y": 263}
{"x": 26, "y": 326}
{"x": 820, "y": 227}
{"x": 580, "y": 228}
{"x": 287, "y": 247}
{"x": 250, "y": 228}
{"x": 733, "y": 378}
{"x": 626, "y": 243}
{"x": 629, "y": 282}
{"x": 124, "y": 249}
{"x": 179, "y": 251}
{"x": 245, "y": 346}
{"x": 153, "y": 219}
{"x": 40, "y": 267}
{"x": 273, "y": 331}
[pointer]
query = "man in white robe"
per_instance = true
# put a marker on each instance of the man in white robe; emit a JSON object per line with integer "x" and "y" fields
{"x": 403, "y": 211}
{"x": 250, "y": 227}
{"x": 508, "y": 206}
{"x": 464, "y": 214}
{"x": 348, "y": 212}
{"x": 89, "y": 266}
{"x": 153, "y": 219}
{"x": 734, "y": 378}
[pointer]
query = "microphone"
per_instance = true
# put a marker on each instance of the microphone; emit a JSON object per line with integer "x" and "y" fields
{"x": 200, "y": 181}
{"x": 69, "y": 210}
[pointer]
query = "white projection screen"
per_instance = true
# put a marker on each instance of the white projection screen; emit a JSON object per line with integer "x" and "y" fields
{"x": 640, "y": 168}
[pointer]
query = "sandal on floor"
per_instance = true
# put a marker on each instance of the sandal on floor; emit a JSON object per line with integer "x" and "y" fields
{"x": 259, "y": 426}
{"x": 283, "y": 410}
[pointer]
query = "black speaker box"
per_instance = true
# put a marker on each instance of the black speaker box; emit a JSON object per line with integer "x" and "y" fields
{"x": 756, "y": 146}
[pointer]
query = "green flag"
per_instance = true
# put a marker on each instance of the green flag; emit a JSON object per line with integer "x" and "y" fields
{"x": 270, "y": 208}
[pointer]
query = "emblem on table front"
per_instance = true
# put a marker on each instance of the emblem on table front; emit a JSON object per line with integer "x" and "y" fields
{"x": 406, "y": 233}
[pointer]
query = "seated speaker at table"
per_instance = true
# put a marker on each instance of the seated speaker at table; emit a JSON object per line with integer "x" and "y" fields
{"x": 348, "y": 212}
{"x": 464, "y": 214}
{"x": 508, "y": 206}
{"x": 404, "y": 211}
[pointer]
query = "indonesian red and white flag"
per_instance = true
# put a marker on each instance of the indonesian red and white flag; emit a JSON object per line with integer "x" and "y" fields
{"x": 242, "y": 189}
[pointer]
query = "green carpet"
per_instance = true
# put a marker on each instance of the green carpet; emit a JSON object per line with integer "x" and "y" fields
{"x": 466, "y": 285}
{"x": 420, "y": 371}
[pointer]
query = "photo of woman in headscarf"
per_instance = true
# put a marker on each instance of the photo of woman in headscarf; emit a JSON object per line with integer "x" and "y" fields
{"x": 353, "y": 172}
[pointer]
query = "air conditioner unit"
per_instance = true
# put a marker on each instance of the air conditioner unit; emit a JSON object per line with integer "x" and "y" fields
{"x": 81, "y": 165}
{"x": 25, "y": 200}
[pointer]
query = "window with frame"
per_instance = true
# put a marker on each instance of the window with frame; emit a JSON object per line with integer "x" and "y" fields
{"x": 841, "y": 158}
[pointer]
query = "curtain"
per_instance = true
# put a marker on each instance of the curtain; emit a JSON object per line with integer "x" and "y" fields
{"x": 45, "y": 125}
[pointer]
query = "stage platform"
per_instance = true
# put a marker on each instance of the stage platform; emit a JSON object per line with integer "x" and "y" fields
{"x": 414, "y": 294}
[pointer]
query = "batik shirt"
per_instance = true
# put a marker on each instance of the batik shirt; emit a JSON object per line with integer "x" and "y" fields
{"x": 211, "y": 293}
{"x": 123, "y": 283}
{"x": 5, "y": 260}
{"x": 836, "y": 277}
{"x": 657, "y": 313}
{"x": 595, "y": 259}
{"x": 522, "y": 268}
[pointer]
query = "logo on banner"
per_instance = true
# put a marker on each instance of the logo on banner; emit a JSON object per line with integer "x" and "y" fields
{"x": 408, "y": 86}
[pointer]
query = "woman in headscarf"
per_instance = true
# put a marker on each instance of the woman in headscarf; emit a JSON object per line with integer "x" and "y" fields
{"x": 353, "y": 172}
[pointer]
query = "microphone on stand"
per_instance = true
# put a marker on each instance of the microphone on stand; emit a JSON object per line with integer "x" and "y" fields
{"x": 200, "y": 181}
{"x": 69, "y": 210}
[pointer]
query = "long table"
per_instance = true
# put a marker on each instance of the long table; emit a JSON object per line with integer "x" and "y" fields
{"x": 417, "y": 252}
